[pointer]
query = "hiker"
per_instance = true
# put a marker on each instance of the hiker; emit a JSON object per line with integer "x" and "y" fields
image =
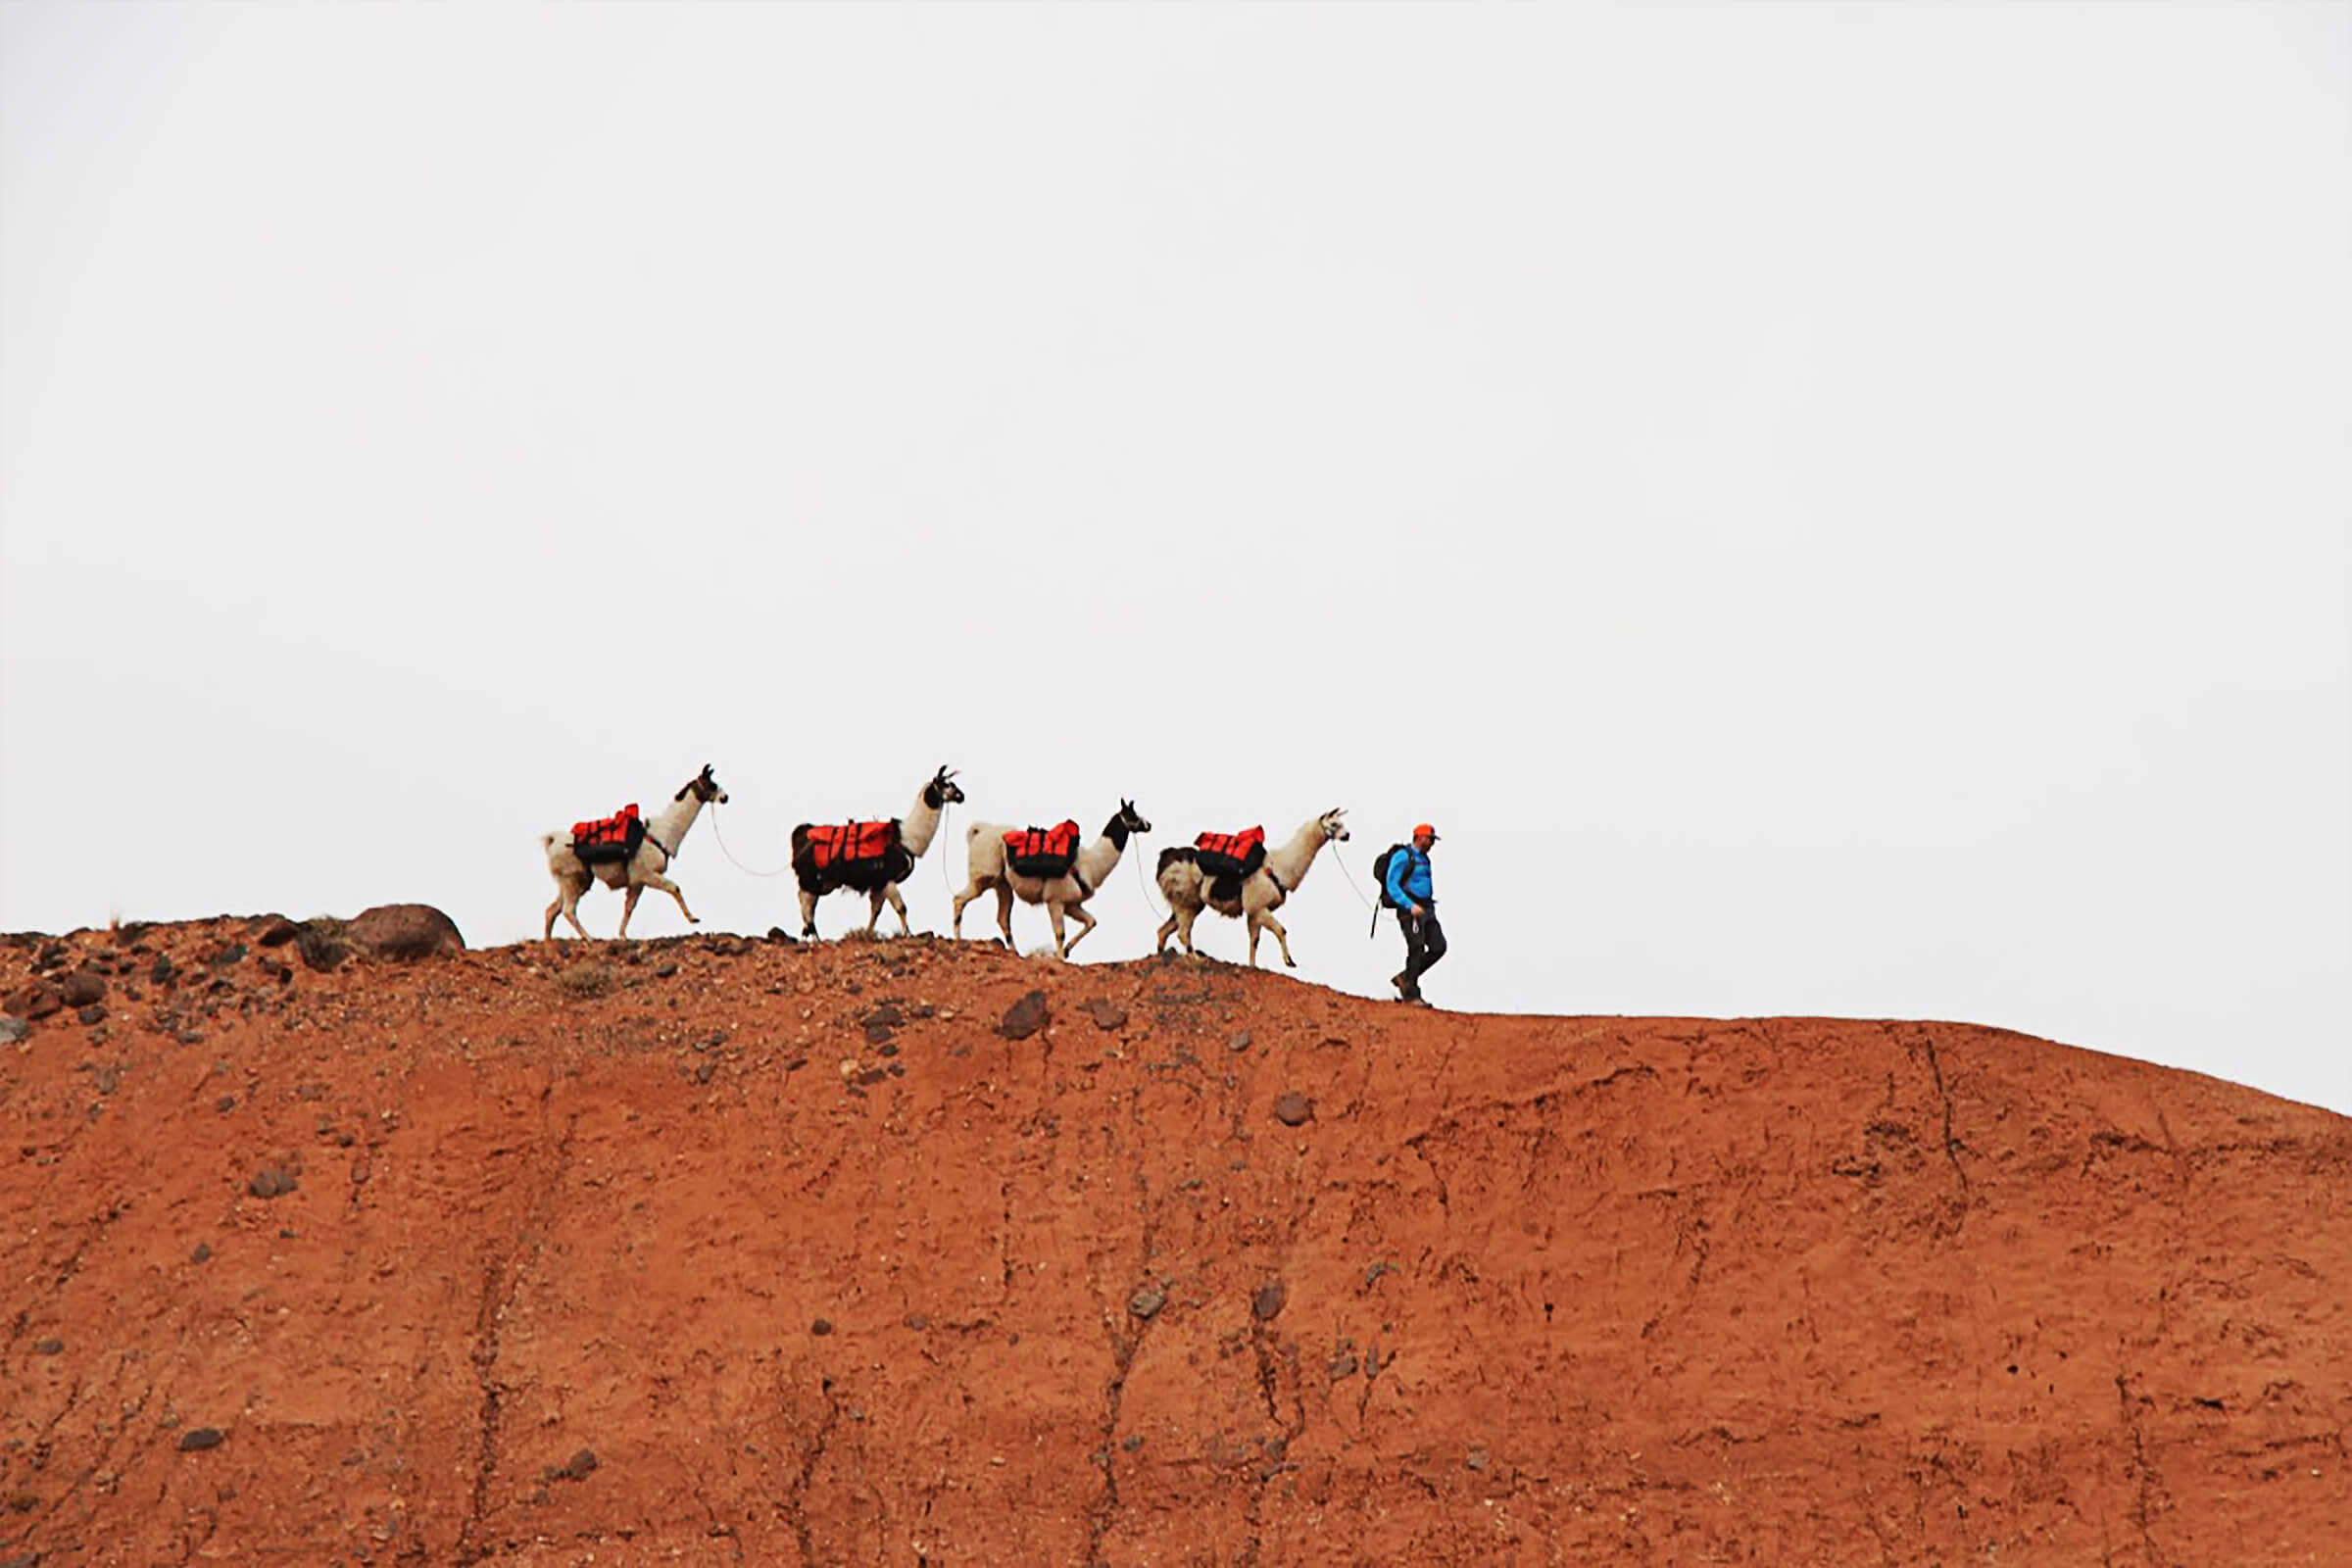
{"x": 1408, "y": 886}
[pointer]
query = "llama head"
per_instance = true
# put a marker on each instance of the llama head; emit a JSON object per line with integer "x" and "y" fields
{"x": 1132, "y": 820}
{"x": 703, "y": 787}
{"x": 943, "y": 790}
{"x": 1333, "y": 825}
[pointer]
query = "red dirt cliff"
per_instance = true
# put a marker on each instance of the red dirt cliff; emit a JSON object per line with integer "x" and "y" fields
{"x": 714, "y": 1251}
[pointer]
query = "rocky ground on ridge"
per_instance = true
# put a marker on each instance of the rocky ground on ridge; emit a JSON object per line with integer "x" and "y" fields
{"x": 911, "y": 1251}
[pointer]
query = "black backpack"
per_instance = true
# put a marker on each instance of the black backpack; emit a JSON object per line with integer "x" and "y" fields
{"x": 1380, "y": 872}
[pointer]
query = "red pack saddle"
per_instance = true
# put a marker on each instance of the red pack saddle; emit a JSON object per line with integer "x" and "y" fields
{"x": 1233, "y": 846}
{"x": 851, "y": 841}
{"x": 1043, "y": 852}
{"x": 612, "y": 838}
{"x": 1225, "y": 858}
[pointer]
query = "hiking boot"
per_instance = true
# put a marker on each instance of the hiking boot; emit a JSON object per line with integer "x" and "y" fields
{"x": 1400, "y": 981}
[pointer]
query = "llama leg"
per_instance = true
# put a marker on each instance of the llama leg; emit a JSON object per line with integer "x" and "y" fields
{"x": 1077, "y": 912}
{"x": 665, "y": 885}
{"x": 1167, "y": 929}
{"x": 873, "y": 914}
{"x": 1251, "y": 917}
{"x": 1184, "y": 929}
{"x": 900, "y": 904}
{"x": 955, "y": 914}
{"x": 628, "y": 906}
{"x": 567, "y": 905}
{"x": 1004, "y": 915}
{"x": 1061, "y": 946}
{"x": 807, "y": 914}
{"x": 571, "y": 907}
{"x": 1281, "y": 936}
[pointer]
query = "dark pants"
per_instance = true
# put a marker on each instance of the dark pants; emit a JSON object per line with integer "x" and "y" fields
{"x": 1424, "y": 946}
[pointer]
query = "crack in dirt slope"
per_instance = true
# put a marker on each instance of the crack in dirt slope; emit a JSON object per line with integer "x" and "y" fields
{"x": 713, "y": 1252}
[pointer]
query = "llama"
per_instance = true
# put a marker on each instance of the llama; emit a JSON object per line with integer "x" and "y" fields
{"x": 642, "y": 870}
{"x": 877, "y": 876}
{"x": 1062, "y": 895}
{"x": 1267, "y": 888}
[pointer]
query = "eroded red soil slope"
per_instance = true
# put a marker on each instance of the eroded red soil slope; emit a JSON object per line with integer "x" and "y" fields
{"x": 710, "y": 1251}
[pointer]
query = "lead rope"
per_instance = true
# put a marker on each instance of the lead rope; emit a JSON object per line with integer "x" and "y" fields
{"x": 730, "y": 853}
{"x": 1350, "y": 878}
{"x": 1142, "y": 886}
{"x": 947, "y": 808}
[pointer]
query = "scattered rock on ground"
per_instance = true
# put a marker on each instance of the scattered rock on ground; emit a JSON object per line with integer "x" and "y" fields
{"x": 403, "y": 931}
{"x": 271, "y": 1181}
{"x": 320, "y": 950}
{"x": 578, "y": 1467}
{"x": 37, "y": 1001}
{"x": 1294, "y": 1108}
{"x": 1108, "y": 1016}
{"x": 1026, "y": 1016}
{"x": 83, "y": 987}
{"x": 280, "y": 932}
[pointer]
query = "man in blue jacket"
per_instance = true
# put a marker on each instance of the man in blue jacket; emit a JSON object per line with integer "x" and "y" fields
{"x": 1409, "y": 890}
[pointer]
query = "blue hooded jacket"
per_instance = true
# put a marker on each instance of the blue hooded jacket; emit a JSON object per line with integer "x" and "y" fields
{"x": 1409, "y": 878}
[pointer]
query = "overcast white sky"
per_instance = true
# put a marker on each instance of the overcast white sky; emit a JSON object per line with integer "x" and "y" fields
{"x": 1831, "y": 508}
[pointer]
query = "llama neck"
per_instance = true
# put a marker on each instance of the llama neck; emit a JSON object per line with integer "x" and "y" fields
{"x": 669, "y": 824}
{"x": 1290, "y": 862}
{"x": 917, "y": 827}
{"x": 1101, "y": 857}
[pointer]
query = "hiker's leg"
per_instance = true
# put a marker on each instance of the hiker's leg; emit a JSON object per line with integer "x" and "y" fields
{"x": 1433, "y": 942}
{"x": 1408, "y": 980}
